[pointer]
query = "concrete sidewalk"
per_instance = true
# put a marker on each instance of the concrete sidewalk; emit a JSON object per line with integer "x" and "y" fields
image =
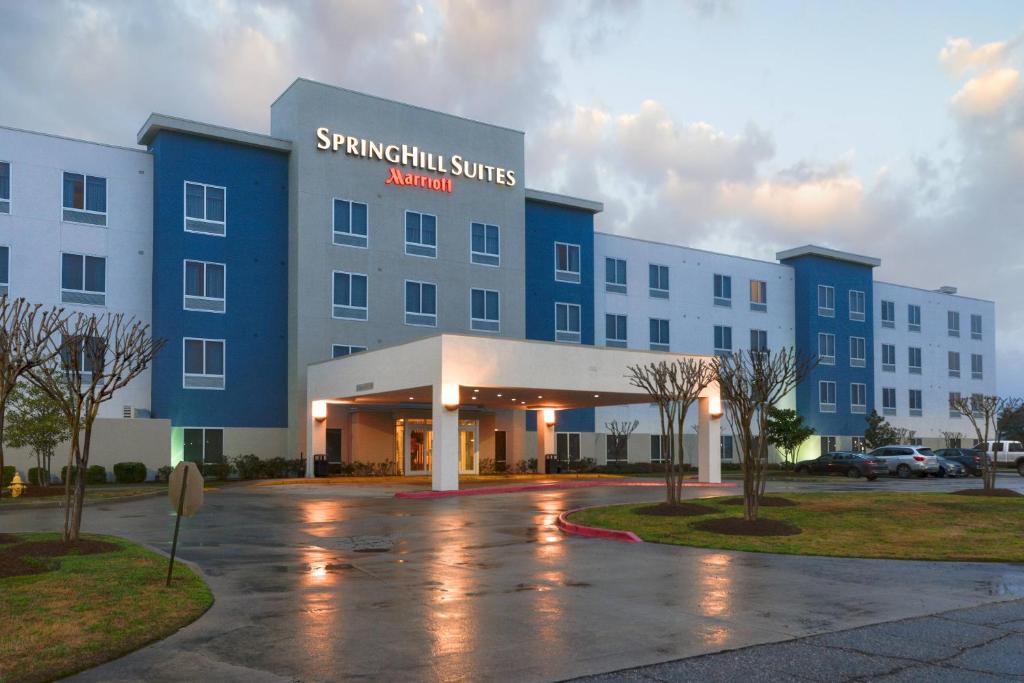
{"x": 983, "y": 643}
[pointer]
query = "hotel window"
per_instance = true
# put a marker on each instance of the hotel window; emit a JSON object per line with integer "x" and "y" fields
{"x": 976, "y": 401}
{"x": 888, "y": 314}
{"x": 913, "y": 318}
{"x": 567, "y": 323}
{"x": 485, "y": 313}
{"x": 975, "y": 326}
{"x": 657, "y": 281}
{"x": 888, "y": 358}
{"x": 203, "y": 363}
{"x": 5, "y": 271}
{"x": 954, "y": 363}
{"x": 615, "y": 275}
{"x": 826, "y": 301}
{"x": 857, "y": 306}
{"x": 888, "y": 400}
{"x": 615, "y": 330}
{"x": 567, "y": 446}
{"x": 659, "y": 335}
{"x": 203, "y": 445}
{"x": 85, "y": 199}
{"x": 83, "y": 355}
{"x": 420, "y": 303}
{"x": 5, "y": 187}
{"x": 915, "y": 402}
{"x": 616, "y": 448}
{"x": 204, "y": 287}
{"x": 342, "y": 350}
{"x": 723, "y": 290}
{"x": 758, "y": 295}
{"x": 484, "y": 244}
{"x": 826, "y": 397}
{"x": 858, "y": 352}
{"x": 976, "y": 366}
{"x": 567, "y": 262}
{"x": 656, "y": 454}
{"x": 857, "y": 444}
{"x": 914, "y": 360}
{"x": 723, "y": 340}
{"x": 828, "y": 444}
{"x": 350, "y": 297}
{"x": 953, "y": 323}
{"x": 858, "y": 398}
{"x": 954, "y": 399}
{"x": 420, "y": 234}
{"x": 725, "y": 445}
{"x": 351, "y": 223}
{"x": 83, "y": 279}
{"x": 759, "y": 340}
{"x": 826, "y": 348}
{"x": 205, "y": 209}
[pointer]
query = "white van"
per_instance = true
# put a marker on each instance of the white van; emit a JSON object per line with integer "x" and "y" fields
{"x": 1001, "y": 451}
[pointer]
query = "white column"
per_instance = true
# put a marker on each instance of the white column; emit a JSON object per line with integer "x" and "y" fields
{"x": 709, "y": 445}
{"x": 545, "y": 441}
{"x": 444, "y": 472}
{"x": 316, "y": 435}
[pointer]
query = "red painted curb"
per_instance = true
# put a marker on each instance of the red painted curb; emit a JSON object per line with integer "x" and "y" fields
{"x": 551, "y": 486}
{"x": 568, "y": 527}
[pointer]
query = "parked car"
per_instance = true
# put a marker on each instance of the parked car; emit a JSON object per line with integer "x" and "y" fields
{"x": 905, "y": 460}
{"x": 971, "y": 459}
{"x": 1002, "y": 451}
{"x": 950, "y": 468}
{"x": 851, "y": 464}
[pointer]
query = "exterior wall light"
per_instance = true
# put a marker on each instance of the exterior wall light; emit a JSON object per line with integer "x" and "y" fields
{"x": 549, "y": 416}
{"x": 715, "y": 406}
{"x": 319, "y": 410}
{"x": 450, "y": 396}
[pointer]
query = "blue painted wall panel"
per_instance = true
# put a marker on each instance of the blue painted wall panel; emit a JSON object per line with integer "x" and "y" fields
{"x": 254, "y": 250}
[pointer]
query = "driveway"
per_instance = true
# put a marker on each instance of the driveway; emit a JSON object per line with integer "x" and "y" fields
{"x": 318, "y": 583}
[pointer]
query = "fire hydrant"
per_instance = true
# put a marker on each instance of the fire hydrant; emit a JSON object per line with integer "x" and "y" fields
{"x": 17, "y": 486}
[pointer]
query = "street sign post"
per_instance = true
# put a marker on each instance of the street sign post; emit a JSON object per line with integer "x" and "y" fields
{"x": 185, "y": 489}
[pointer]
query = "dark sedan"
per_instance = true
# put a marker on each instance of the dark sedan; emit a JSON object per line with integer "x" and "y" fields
{"x": 852, "y": 465}
{"x": 969, "y": 458}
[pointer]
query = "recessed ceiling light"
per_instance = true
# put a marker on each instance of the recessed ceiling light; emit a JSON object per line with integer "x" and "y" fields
{"x": 597, "y": 395}
{"x": 476, "y": 391}
{"x": 411, "y": 398}
{"x": 499, "y": 395}
{"x": 540, "y": 397}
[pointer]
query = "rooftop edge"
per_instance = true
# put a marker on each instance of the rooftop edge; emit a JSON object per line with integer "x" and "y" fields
{"x": 160, "y": 122}
{"x": 565, "y": 200}
{"x": 825, "y": 252}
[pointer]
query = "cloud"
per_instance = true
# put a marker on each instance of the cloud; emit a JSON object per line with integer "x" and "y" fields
{"x": 959, "y": 56}
{"x": 987, "y": 93}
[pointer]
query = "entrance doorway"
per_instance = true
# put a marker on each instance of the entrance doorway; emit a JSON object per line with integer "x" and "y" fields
{"x": 500, "y": 455}
{"x": 334, "y": 451}
{"x": 419, "y": 446}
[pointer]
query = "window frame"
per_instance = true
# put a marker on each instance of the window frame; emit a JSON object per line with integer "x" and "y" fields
{"x": 617, "y": 342}
{"x": 659, "y": 292}
{"x": 569, "y": 276}
{"x": 762, "y": 287}
{"x": 568, "y": 445}
{"x": 954, "y": 396}
{"x": 105, "y": 214}
{"x": 223, "y": 225}
{"x": 824, "y": 358}
{"x": 569, "y": 336}
{"x": 759, "y": 347}
{"x": 335, "y": 305}
{"x": 223, "y": 376}
{"x": 721, "y": 283}
{"x": 977, "y": 333}
{"x": 854, "y": 314}
{"x": 719, "y": 334}
{"x": 888, "y": 367}
{"x": 609, "y": 439}
{"x": 825, "y": 406}
{"x": 615, "y": 286}
{"x": 83, "y": 291}
{"x": 352, "y": 349}
{"x": 888, "y": 391}
{"x": 862, "y": 360}
{"x": 954, "y": 368}
{"x": 420, "y": 249}
{"x": 419, "y": 318}
{"x": 830, "y": 293}
{"x": 911, "y": 325}
{"x": 484, "y": 258}
{"x": 204, "y": 462}
{"x": 484, "y": 324}
{"x": 5, "y": 287}
{"x": 663, "y": 325}
{"x": 953, "y": 323}
{"x": 911, "y": 368}
{"x": 5, "y": 202}
{"x": 660, "y": 460}
{"x": 349, "y": 239}
{"x": 911, "y": 410}
{"x": 858, "y": 408}
{"x": 890, "y": 307}
{"x": 980, "y": 372}
{"x": 185, "y": 296}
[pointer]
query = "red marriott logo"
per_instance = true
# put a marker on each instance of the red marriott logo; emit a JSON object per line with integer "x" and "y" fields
{"x": 396, "y": 177}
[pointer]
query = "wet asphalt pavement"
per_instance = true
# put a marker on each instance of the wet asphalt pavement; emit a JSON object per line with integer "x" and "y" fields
{"x": 321, "y": 583}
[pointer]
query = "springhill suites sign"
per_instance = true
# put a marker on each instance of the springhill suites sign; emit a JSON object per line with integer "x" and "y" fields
{"x": 411, "y": 156}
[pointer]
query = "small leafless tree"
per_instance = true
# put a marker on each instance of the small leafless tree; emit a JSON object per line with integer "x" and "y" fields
{"x": 751, "y": 382}
{"x": 904, "y": 434}
{"x": 25, "y": 334}
{"x": 952, "y": 439}
{"x": 983, "y": 413}
{"x": 674, "y": 387}
{"x": 94, "y": 357}
{"x": 620, "y": 433}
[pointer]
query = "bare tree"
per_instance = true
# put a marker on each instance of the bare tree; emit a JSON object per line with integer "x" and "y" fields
{"x": 94, "y": 357}
{"x": 952, "y": 439}
{"x": 904, "y": 434}
{"x": 620, "y": 433}
{"x": 751, "y": 382}
{"x": 983, "y": 413}
{"x": 674, "y": 387}
{"x": 25, "y": 335}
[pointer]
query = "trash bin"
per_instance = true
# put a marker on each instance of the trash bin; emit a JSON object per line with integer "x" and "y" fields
{"x": 320, "y": 465}
{"x": 551, "y": 465}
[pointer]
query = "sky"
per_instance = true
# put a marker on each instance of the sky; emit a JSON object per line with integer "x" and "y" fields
{"x": 893, "y": 129}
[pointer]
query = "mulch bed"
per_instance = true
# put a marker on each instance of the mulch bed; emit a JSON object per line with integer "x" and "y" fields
{"x": 21, "y": 558}
{"x": 734, "y": 526}
{"x": 677, "y": 510}
{"x": 997, "y": 493}
{"x": 38, "y": 491}
{"x": 766, "y": 502}
{"x": 8, "y": 538}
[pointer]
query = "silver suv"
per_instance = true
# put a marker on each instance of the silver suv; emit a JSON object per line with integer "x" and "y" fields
{"x": 906, "y": 460}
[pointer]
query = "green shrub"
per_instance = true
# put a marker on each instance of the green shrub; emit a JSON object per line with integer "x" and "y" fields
{"x": 64, "y": 474}
{"x": 164, "y": 473}
{"x": 38, "y": 476}
{"x": 7, "y": 475}
{"x": 129, "y": 472}
{"x": 248, "y": 466}
{"x": 96, "y": 474}
{"x": 274, "y": 468}
{"x": 217, "y": 470}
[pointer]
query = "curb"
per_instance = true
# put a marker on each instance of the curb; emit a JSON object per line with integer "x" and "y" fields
{"x": 552, "y": 486}
{"x": 568, "y": 527}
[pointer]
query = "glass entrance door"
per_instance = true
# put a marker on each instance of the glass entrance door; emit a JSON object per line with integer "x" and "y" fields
{"x": 469, "y": 446}
{"x": 419, "y": 446}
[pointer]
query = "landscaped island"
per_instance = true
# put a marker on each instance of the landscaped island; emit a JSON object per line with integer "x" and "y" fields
{"x": 68, "y": 608}
{"x": 906, "y": 526}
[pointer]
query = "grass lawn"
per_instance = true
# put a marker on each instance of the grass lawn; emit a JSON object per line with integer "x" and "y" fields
{"x": 905, "y": 526}
{"x": 89, "y": 609}
{"x": 100, "y": 492}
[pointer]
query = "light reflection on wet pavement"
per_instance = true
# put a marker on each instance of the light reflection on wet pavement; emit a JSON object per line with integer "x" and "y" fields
{"x": 320, "y": 583}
